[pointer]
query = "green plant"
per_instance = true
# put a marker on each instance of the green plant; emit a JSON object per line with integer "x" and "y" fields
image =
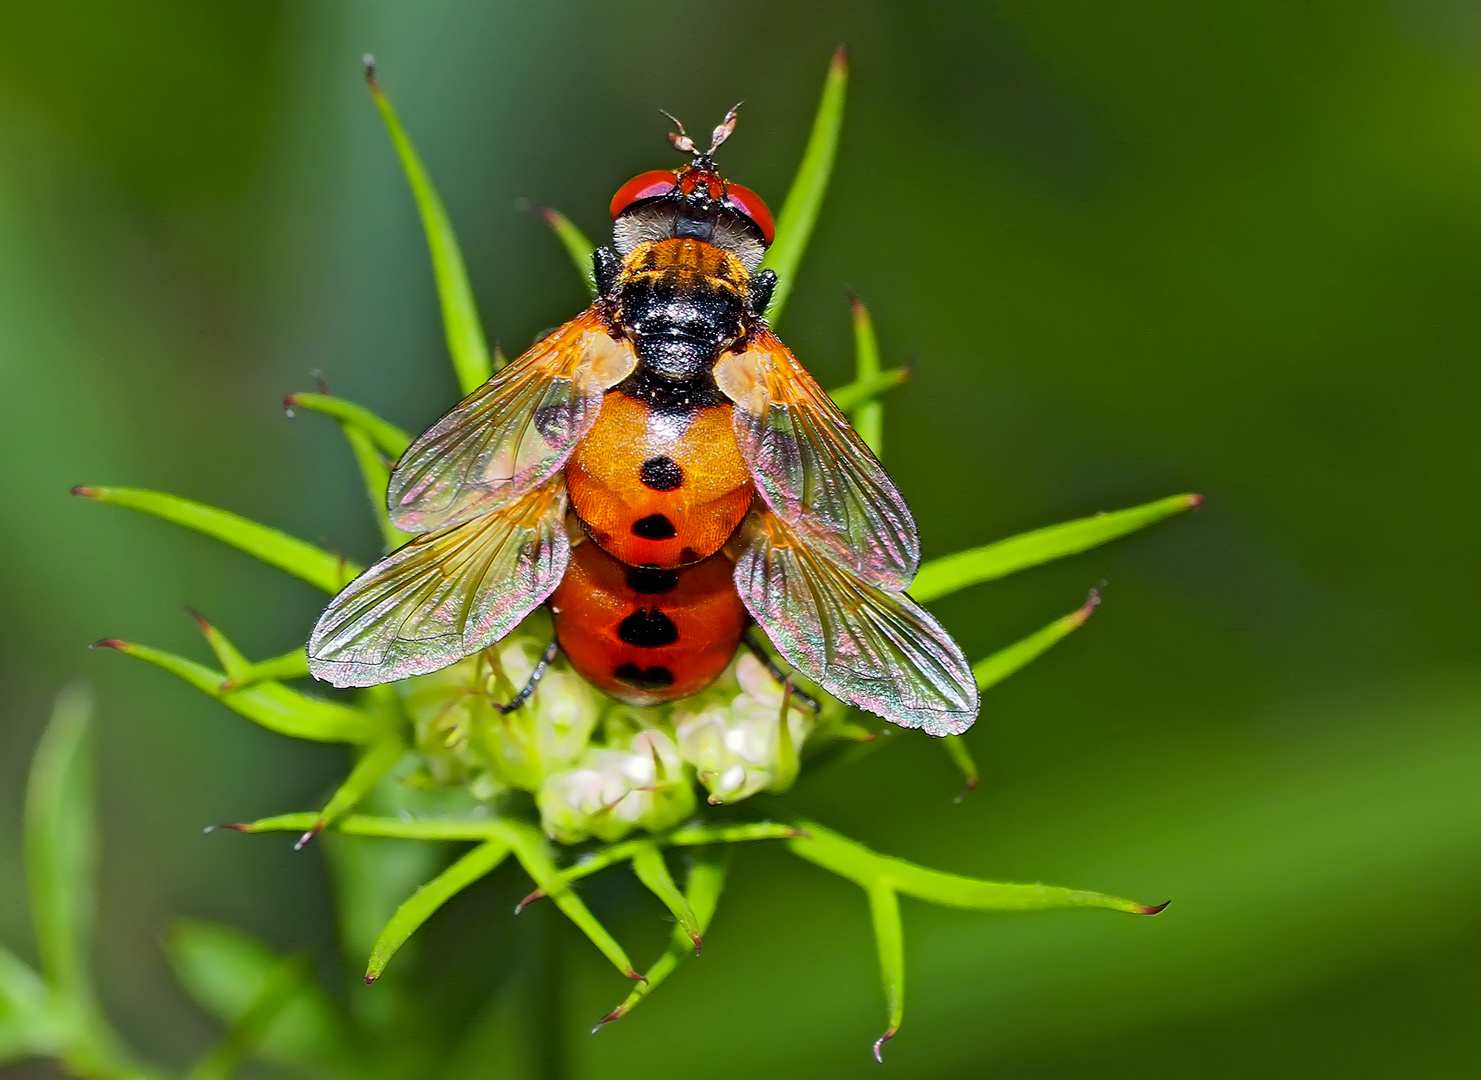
{"x": 435, "y": 762}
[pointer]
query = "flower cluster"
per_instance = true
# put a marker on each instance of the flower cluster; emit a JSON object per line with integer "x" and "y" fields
{"x": 601, "y": 769}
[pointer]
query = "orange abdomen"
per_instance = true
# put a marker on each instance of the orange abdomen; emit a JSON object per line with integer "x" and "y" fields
{"x": 659, "y": 488}
{"x": 647, "y": 635}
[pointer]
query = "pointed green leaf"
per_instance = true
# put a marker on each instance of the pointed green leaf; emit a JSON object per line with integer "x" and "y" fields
{"x": 247, "y": 1030}
{"x": 289, "y": 666}
{"x": 390, "y": 828}
{"x": 691, "y": 835}
{"x": 652, "y": 871}
{"x": 465, "y": 341}
{"x": 374, "y": 764}
{"x": 868, "y": 417}
{"x": 28, "y": 1027}
{"x": 273, "y": 705}
{"x": 577, "y": 246}
{"x": 312, "y": 564}
{"x": 961, "y": 757}
{"x": 61, "y": 849}
{"x": 702, "y": 891}
{"x": 855, "y": 395}
{"x": 376, "y": 475}
{"x": 946, "y": 575}
{"x": 889, "y": 937}
{"x": 533, "y": 851}
{"x": 799, "y": 214}
{"x": 227, "y": 971}
{"x": 1005, "y": 662}
{"x": 388, "y": 438}
{"x": 850, "y": 859}
{"x": 431, "y": 896}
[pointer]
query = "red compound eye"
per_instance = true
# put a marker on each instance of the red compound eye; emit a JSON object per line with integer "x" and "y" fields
{"x": 643, "y": 186}
{"x": 747, "y": 202}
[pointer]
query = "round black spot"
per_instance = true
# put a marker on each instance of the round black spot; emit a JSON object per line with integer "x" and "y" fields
{"x": 654, "y": 527}
{"x": 661, "y": 474}
{"x": 651, "y": 581}
{"x": 648, "y": 629}
{"x": 651, "y": 678}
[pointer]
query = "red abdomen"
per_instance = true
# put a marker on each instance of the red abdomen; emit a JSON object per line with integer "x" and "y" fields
{"x": 647, "y": 635}
{"x": 658, "y": 488}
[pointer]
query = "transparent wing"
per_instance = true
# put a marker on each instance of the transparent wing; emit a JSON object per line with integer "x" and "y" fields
{"x": 877, "y": 650}
{"x": 445, "y": 595}
{"x": 811, "y": 467}
{"x": 513, "y": 432}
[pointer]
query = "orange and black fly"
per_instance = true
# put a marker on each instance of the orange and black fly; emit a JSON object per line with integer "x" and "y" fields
{"x": 662, "y": 473}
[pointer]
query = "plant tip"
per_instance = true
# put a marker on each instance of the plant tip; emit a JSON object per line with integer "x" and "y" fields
{"x": 528, "y": 900}
{"x": 635, "y": 976}
{"x": 698, "y": 944}
{"x": 369, "y": 61}
{"x": 879, "y": 1044}
{"x": 1194, "y": 500}
{"x": 200, "y": 620}
{"x": 304, "y": 840}
{"x": 615, "y": 1014}
{"x": 109, "y": 643}
{"x": 85, "y": 491}
{"x": 1143, "y": 909}
{"x": 840, "y": 57}
{"x": 971, "y": 787}
{"x": 370, "y": 978}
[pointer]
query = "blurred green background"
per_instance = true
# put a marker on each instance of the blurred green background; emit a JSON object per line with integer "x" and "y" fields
{"x": 1131, "y": 250}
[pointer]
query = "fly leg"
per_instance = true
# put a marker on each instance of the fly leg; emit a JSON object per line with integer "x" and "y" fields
{"x": 782, "y": 677}
{"x": 534, "y": 680}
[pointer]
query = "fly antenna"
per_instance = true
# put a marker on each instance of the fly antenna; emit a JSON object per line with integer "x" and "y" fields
{"x": 680, "y": 139}
{"x": 726, "y": 128}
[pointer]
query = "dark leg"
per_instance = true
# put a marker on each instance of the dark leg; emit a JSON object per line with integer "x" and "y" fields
{"x": 535, "y": 677}
{"x": 777, "y": 673}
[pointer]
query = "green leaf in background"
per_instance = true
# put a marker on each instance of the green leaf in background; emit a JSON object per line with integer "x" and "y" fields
{"x": 28, "y": 1027}
{"x": 226, "y": 970}
{"x": 61, "y": 850}
{"x": 577, "y": 246}
{"x": 247, "y": 1030}
{"x": 387, "y": 437}
{"x": 868, "y": 417}
{"x": 314, "y": 565}
{"x": 950, "y": 573}
{"x": 273, "y": 705}
{"x": 465, "y": 340}
{"x": 702, "y": 892}
{"x": 61, "y": 861}
{"x": 799, "y": 214}
{"x": 420, "y": 906}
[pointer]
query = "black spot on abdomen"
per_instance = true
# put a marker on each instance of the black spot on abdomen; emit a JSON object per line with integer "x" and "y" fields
{"x": 661, "y": 474}
{"x": 651, "y": 581}
{"x": 648, "y": 629}
{"x": 651, "y": 678}
{"x": 654, "y": 527}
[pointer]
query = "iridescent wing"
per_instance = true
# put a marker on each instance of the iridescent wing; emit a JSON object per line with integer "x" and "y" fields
{"x": 878, "y": 650}
{"x": 445, "y": 595}
{"x": 811, "y": 467}
{"x": 513, "y": 432}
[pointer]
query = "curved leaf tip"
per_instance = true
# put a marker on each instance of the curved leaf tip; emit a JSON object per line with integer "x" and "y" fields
{"x": 1143, "y": 909}
{"x": 879, "y": 1044}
